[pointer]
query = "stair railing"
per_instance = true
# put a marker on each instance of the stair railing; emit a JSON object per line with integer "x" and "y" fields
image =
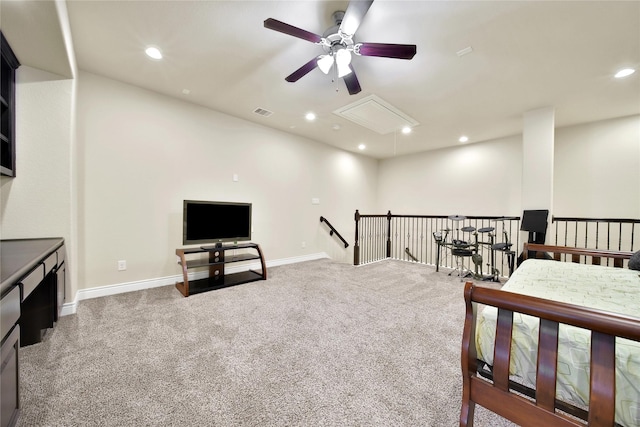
{"x": 616, "y": 234}
{"x": 333, "y": 231}
{"x": 413, "y": 238}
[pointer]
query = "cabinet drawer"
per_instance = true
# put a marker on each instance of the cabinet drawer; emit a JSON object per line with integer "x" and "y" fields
{"x": 31, "y": 281}
{"x": 50, "y": 263}
{"x": 60, "y": 254}
{"x": 10, "y": 310}
{"x": 10, "y": 379}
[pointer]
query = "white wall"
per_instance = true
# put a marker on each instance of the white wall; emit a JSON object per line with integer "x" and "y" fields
{"x": 39, "y": 201}
{"x": 596, "y": 175}
{"x": 597, "y": 169}
{"x": 538, "y": 131}
{"x": 142, "y": 153}
{"x": 472, "y": 179}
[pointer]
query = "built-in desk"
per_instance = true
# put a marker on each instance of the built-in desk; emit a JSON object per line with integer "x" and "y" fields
{"x": 32, "y": 292}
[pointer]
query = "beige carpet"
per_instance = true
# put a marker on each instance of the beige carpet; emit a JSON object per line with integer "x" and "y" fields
{"x": 318, "y": 344}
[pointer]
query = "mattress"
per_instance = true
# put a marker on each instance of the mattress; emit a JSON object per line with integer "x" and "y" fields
{"x": 605, "y": 288}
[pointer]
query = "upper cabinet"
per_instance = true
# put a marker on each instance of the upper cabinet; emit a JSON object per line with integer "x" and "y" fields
{"x": 8, "y": 101}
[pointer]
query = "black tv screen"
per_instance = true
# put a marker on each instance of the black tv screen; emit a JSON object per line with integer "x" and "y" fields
{"x": 214, "y": 222}
{"x": 534, "y": 220}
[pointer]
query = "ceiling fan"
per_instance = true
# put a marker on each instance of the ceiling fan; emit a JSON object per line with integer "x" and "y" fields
{"x": 338, "y": 45}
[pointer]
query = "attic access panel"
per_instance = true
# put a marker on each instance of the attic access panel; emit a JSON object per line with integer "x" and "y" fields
{"x": 376, "y": 114}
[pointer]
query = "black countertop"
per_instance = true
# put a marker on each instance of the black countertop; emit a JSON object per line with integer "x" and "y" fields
{"x": 19, "y": 256}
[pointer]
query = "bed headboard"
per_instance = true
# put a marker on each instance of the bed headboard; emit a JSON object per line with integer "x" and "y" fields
{"x": 596, "y": 255}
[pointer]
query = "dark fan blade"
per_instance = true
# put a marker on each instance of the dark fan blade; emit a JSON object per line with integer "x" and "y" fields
{"x": 353, "y": 15}
{"x": 353, "y": 86}
{"x": 274, "y": 24}
{"x": 388, "y": 50}
{"x": 302, "y": 71}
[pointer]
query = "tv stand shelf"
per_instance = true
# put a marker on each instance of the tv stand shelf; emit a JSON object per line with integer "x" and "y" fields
{"x": 216, "y": 262}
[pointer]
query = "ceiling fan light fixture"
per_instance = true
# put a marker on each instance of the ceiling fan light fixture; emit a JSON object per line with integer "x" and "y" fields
{"x": 337, "y": 42}
{"x": 344, "y": 70}
{"x": 325, "y": 62}
{"x": 343, "y": 59}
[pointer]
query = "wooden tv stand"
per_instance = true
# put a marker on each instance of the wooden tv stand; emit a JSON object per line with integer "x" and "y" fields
{"x": 216, "y": 261}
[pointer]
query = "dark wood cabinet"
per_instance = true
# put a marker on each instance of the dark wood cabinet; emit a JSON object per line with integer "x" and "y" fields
{"x": 61, "y": 280}
{"x": 32, "y": 273}
{"x": 216, "y": 260}
{"x": 9, "y": 64}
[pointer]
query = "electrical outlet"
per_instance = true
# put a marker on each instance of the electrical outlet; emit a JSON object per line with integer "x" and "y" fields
{"x": 122, "y": 265}
{"x": 304, "y": 245}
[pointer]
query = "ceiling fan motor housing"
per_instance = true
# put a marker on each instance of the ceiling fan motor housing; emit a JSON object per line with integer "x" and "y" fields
{"x": 333, "y": 38}
{"x": 337, "y": 17}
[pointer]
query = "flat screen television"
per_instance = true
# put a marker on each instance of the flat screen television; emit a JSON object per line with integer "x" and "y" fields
{"x": 215, "y": 222}
{"x": 534, "y": 220}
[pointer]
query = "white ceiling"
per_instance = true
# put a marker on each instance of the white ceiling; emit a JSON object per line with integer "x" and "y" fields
{"x": 526, "y": 55}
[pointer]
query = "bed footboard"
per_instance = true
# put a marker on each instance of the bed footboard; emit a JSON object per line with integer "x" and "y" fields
{"x": 499, "y": 397}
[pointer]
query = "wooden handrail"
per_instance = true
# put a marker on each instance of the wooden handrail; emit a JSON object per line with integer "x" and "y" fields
{"x": 333, "y": 230}
{"x": 573, "y": 219}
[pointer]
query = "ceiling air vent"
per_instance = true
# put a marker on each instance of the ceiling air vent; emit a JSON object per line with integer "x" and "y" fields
{"x": 263, "y": 112}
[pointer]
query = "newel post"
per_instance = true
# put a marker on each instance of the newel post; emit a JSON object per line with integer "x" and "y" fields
{"x": 356, "y": 246}
{"x": 389, "y": 234}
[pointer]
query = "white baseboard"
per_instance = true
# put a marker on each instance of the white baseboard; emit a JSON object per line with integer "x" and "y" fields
{"x": 119, "y": 288}
{"x": 293, "y": 260}
{"x": 69, "y": 307}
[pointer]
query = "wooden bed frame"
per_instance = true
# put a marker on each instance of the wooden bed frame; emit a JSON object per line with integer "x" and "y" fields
{"x": 504, "y": 397}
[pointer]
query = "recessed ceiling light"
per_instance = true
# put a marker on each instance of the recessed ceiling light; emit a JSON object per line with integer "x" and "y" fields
{"x": 310, "y": 116}
{"x": 463, "y": 138}
{"x": 335, "y": 127}
{"x": 153, "y": 52}
{"x": 624, "y": 73}
{"x": 406, "y": 130}
{"x": 361, "y": 147}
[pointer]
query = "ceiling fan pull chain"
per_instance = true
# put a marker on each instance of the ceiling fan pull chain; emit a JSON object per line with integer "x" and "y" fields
{"x": 395, "y": 142}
